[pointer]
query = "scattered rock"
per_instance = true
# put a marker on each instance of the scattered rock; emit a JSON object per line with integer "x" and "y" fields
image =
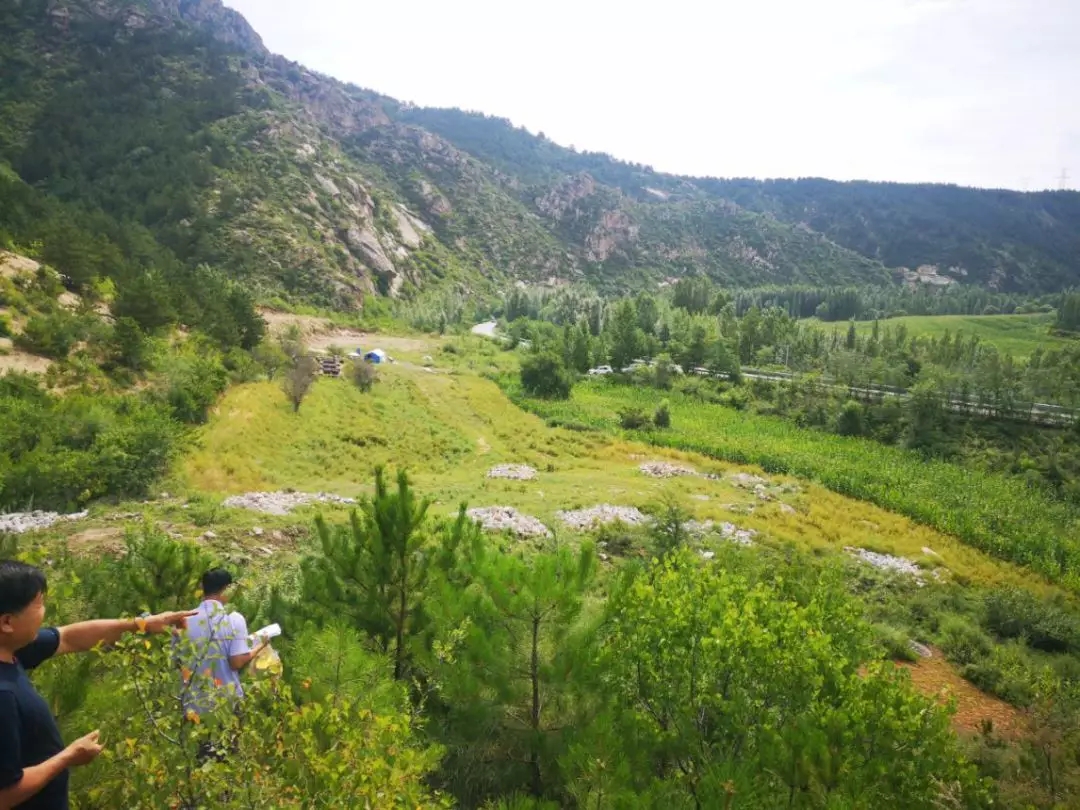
{"x": 929, "y": 552}
{"x": 281, "y": 503}
{"x": 603, "y": 557}
{"x": 593, "y": 516}
{"x": 700, "y": 497}
{"x": 708, "y": 555}
{"x": 742, "y": 537}
{"x": 515, "y": 472}
{"x": 920, "y": 650}
{"x": 277, "y": 536}
{"x": 124, "y": 516}
{"x": 508, "y": 519}
{"x": 209, "y": 536}
{"x": 257, "y": 531}
{"x": 664, "y": 469}
{"x": 20, "y": 522}
{"x": 886, "y": 562}
{"x": 787, "y": 509}
{"x": 164, "y": 496}
{"x": 746, "y": 480}
{"x": 266, "y": 551}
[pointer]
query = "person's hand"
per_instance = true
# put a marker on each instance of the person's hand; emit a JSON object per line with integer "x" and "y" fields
{"x": 163, "y": 621}
{"x": 84, "y": 750}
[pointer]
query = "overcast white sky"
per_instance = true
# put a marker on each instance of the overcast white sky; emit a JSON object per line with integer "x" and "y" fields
{"x": 976, "y": 92}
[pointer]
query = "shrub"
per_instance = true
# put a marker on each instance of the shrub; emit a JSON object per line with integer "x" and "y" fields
{"x": 5, "y": 326}
{"x": 364, "y": 375}
{"x": 633, "y": 419}
{"x": 850, "y": 420}
{"x": 662, "y": 417}
{"x": 52, "y": 335}
{"x": 962, "y": 642}
{"x": 298, "y": 380}
{"x": 545, "y": 376}
{"x": 195, "y": 380}
{"x": 663, "y": 372}
{"x": 1016, "y": 613}
{"x": 895, "y": 643}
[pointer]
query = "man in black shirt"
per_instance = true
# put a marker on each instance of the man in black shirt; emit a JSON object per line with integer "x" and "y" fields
{"x": 33, "y": 759}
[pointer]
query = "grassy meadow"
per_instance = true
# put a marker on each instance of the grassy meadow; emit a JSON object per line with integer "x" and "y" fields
{"x": 448, "y": 428}
{"x": 1018, "y": 335}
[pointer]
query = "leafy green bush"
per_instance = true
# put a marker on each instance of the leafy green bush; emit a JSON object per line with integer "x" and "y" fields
{"x": 633, "y": 419}
{"x": 662, "y": 417}
{"x": 364, "y": 375}
{"x": 5, "y": 326}
{"x": 60, "y": 452}
{"x": 963, "y": 642}
{"x": 194, "y": 380}
{"x": 545, "y": 376}
{"x": 1017, "y": 613}
{"x": 52, "y": 335}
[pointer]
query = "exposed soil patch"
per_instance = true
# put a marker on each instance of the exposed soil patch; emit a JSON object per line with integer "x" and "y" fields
{"x": 935, "y": 677}
{"x": 109, "y": 540}
{"x": 17, "y": 360}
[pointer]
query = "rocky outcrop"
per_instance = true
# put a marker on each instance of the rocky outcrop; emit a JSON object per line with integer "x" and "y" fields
{"x": 562, "y": 199}
{"x": 212, "y": 16}
{"x": 615, "y": 230}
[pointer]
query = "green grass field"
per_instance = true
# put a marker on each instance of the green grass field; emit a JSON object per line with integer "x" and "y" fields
{"x": 1018, "y": 335}
{"x": 998, "y": 515}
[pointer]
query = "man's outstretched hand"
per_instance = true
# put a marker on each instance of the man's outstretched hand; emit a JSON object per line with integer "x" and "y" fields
{"x": 84, "y": 750}
{"x": 161, "y": 622}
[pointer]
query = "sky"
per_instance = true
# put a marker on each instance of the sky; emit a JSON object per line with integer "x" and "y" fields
{"x": 974, "y": 92}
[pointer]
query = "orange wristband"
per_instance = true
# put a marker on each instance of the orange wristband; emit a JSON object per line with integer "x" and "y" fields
{"x": 140, "y": 625}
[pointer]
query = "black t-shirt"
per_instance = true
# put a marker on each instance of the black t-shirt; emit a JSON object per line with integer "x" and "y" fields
{"x": 28, "y": 731}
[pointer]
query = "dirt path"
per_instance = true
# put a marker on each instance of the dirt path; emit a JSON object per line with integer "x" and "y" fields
{"x": 935, "y": 677}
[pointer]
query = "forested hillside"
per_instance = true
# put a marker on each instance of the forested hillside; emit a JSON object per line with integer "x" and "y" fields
{"x": 172, "y": 115}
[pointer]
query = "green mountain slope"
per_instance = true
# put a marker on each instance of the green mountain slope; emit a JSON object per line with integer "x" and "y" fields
{"x": 1007, "y": 240}
{"x": 172, "y": 115}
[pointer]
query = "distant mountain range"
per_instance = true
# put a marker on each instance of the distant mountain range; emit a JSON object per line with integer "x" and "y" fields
{"x": 172, "y": 115}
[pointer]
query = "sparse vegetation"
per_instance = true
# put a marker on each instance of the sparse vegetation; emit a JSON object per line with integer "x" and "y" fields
{"x": 298, "y": 379}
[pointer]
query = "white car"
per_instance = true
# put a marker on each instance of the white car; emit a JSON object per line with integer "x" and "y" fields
{"x": 600, "y": 370}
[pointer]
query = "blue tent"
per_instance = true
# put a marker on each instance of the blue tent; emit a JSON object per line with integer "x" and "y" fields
{"x": 375, "y": 356}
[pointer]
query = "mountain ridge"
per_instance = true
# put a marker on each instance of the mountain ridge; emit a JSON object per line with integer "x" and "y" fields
{"x": 173, "y": 113}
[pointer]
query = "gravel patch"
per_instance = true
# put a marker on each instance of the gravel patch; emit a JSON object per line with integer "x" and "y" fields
{"x": 664, "y": 469}
{"x": 515, "y": 472}
{"x": 281, "y": 503}
{"x": 582, "y": 519}
{"x": 20, "y": 522}
{"x": 508, "y": 519}
{"x": 886, "y": 562}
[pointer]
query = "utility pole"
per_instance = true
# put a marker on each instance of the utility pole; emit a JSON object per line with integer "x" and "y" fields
{"x": 1063, "y": 181}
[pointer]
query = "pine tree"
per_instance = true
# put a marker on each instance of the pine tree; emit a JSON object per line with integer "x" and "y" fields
{"x": 508, "y": 633}
{"x": 371, "y": 570}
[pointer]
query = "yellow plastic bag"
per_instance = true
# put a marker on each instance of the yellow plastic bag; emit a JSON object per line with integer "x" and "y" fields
{"x": 267, "y": 662}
